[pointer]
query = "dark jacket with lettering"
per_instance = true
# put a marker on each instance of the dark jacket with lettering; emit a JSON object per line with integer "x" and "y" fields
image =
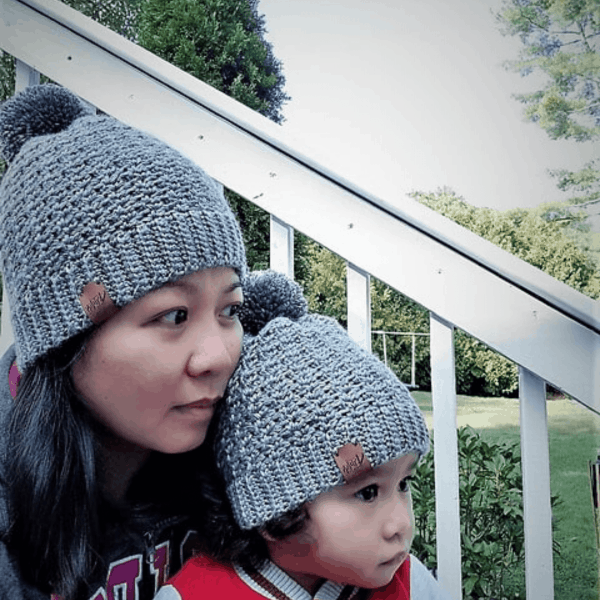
{"x": 139, "y": 557}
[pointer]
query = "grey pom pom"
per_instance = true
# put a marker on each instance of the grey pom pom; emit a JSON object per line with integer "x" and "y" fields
{"x": 37, "y": 110}
{"x": 267, "y": 295}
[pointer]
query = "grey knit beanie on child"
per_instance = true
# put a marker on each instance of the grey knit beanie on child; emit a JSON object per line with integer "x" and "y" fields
{"x": 306, "y": 409}
{"x": 94, "y": 214}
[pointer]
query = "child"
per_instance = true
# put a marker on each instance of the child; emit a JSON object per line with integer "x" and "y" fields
{"x": 317, "y": 442}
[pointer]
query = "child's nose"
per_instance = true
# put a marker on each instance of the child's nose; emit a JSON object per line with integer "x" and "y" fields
{"x": 399, "y": 520}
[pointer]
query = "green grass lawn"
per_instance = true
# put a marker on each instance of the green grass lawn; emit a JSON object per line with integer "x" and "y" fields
{"x": 574, "y": 438}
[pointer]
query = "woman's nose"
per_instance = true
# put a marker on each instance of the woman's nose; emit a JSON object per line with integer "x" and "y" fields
{"x": 211, "y": 355}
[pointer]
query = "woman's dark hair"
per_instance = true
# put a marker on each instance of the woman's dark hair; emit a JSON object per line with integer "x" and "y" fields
{"x": 51, "y": 475}
{"x": 57, "y": 511}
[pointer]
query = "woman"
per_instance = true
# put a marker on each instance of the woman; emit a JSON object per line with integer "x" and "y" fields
{"x": 122, "y": 262}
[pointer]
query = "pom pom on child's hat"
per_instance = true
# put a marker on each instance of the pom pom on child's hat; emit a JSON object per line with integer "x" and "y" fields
{"x": 95, "y": 214}
{"x": 267, "y": 295}
{"x": 302, "y": 396}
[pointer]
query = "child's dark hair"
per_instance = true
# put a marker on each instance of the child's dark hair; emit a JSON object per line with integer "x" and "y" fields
{"x": 222, "y": 538}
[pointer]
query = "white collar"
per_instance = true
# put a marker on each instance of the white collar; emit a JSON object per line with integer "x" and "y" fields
{"x": 273, "y": 583}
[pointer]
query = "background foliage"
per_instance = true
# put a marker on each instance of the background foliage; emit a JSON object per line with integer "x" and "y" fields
{"x": 560, "y": 42}
{"x": 479, "y": 370}
{"x": 525, "y": 234}
{"x": 491, "y": 514}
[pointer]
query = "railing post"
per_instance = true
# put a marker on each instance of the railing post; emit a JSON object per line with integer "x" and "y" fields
{"x": 282, "y": 247}
{"x": 384, "y": 350}
{"x": 537, "y": 511}
{"x": 413, "y": 363}
{"x": 359, "y": 305}
{"x": 25, "y": 76}
{"x": 445, "y": 458}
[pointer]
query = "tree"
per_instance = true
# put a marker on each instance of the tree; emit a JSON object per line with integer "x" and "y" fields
{"x": 525, "y": 234}
{"x": 222, "y": 42}
{"x": 561, "y": 41}
{"x": 118, "y": 15}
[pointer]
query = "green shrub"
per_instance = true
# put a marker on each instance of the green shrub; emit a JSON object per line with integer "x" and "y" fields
{"x": 482, "y": 372}
{"x": 491, "y": 514}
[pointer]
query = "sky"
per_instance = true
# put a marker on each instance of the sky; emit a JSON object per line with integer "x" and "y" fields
{"x": 405, "y": 95}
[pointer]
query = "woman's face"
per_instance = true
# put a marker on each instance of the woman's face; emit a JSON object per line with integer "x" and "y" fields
{"x": 153, "y": 373}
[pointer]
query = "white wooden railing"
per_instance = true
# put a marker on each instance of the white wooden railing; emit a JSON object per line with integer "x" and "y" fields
{"x": 551, "y": 331}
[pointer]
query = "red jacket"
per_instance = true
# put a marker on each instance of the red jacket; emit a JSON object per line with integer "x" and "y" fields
{"x": 203, "y": 578}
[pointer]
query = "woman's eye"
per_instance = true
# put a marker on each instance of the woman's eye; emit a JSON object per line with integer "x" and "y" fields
{"x": 368, "y": 493}
{"x": 232, "y": 310}
{"x": 405, "y": 485}
{"x": 175, "y": 317}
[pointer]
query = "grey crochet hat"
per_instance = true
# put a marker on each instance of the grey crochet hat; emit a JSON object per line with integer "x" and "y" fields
{"x": 95, "y": 214}
{"x": 306, "y": 409}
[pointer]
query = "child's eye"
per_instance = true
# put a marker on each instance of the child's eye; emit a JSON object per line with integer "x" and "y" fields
{"x": 405, "y": 484}
{"x": 367, "y": 494}
{"x": 174, "y": 317}
{"x": 232, "y": 310}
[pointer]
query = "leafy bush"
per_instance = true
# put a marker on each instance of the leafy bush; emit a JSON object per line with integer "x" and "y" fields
{"x": 481, "y": 371}
{"x": 491, "y": 514}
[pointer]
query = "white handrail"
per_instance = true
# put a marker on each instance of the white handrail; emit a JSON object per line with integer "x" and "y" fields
{"x": 514, "y": 308}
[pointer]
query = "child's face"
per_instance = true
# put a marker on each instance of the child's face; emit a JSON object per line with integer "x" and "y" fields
{"x": 358, "y": 533}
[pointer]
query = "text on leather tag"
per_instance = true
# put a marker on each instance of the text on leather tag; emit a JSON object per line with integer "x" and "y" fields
{"x": 351, "y": 461}
{"x": 96, "y": 303}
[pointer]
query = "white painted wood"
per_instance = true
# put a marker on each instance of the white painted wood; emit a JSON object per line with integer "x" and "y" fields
{"x": 514, "y": 308}
{"x": 282, "y": 247}
{"x": 535, "y": 461}
{"x": 413, "y": 363}
{"x": 445, "y": 458}
{"x": 6, "y": 333}
{"x": 359, "y": 305}
{"x": 24, "y": 77}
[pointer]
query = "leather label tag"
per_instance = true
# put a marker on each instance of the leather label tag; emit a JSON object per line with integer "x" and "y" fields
{"x": 351, "y": 461}
{"x": 96, "y": 303}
